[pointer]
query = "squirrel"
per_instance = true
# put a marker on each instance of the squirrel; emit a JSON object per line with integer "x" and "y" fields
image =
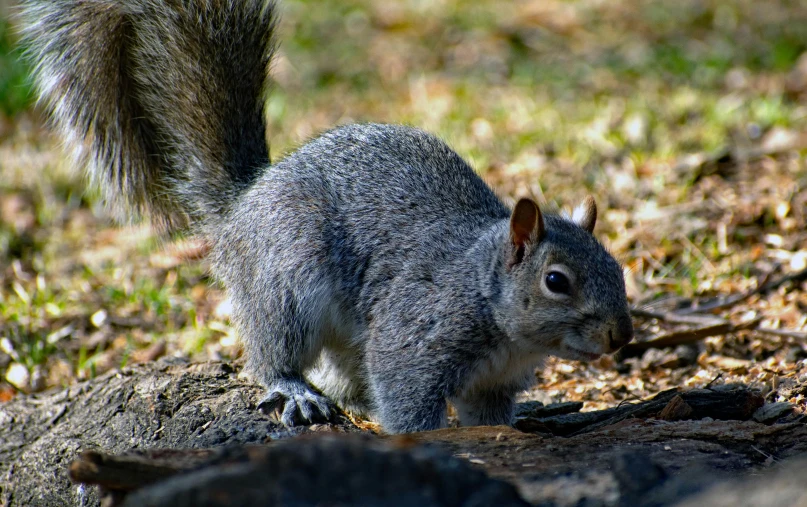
{"x": 371, "y": 268}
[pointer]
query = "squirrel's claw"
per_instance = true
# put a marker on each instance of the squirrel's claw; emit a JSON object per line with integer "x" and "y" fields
{"x": 271, "y": 404}
{"x": 293, "y": 403}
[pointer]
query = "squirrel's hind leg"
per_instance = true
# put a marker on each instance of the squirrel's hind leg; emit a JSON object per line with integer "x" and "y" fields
{"x": 274, "y": 257}
{"x": 282, "y": 329}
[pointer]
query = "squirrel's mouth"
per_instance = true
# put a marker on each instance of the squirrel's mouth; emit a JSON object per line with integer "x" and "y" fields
{"x": 582, "y": 355}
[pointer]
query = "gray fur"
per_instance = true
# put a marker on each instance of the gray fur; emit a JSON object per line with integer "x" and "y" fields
{"x": 373, "y": 262}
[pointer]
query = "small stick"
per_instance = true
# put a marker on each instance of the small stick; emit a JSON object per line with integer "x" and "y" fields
{"x": 677, "y": 318}
{"x": 763, "y": 287}
{"x": 732, "y": 299}
{"x": 709, "y": 385}
{"x": 122, "y": 473}
{"x": 787, "y": 333}
{"x": 715, "y": 328}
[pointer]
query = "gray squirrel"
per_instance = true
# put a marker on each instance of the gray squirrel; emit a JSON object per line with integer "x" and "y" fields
{"x": 371, "y": 268}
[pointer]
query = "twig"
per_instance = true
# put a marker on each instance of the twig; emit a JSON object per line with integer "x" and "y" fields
{"x": 677, "y": 318}
{"x": 716, "y": 326}
{"x": 730, "y": 300}
{"x": 787, "y": 333}
{"x": 764, "y": 286}
{"x": 124, "y": 473}
{"x": 710, "y": 325}
{"x": 769, "y": 457}
{"x": 717, "y": 377}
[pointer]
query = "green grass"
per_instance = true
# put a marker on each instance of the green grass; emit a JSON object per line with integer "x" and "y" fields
{"x": 15, "y": 91}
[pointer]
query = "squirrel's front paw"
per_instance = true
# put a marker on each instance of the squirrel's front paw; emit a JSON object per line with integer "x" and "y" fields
{"x": 294, "y": 403}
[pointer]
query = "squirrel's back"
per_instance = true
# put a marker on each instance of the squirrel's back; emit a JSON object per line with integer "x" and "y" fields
{"x": 166, "y": 127}
{"x": 393, "y": 176}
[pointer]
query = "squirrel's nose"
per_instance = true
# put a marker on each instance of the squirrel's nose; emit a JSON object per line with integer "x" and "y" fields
{"x": 620, "y": 334}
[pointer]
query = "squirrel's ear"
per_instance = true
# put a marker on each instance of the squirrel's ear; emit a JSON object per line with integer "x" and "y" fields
{"x": 526, "y": 227}
{"x": 585, "y": 214}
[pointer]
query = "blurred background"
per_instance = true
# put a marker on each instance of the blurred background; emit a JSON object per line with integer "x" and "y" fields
{"x": 686, "y": 120}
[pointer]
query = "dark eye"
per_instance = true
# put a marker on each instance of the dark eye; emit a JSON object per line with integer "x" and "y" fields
{"x": 557, "y": 282}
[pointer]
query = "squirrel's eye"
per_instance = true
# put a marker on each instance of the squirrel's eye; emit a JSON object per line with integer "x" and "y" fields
{"x": 557, "y": 282}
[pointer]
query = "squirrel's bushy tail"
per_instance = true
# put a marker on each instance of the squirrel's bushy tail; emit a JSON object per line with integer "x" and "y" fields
{"x": 162, "y": 100}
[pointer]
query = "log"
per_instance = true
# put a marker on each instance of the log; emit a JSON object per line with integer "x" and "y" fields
{"x": 646, "y": 463}
{"x": 313, "y": 470}
{"x": 147, "y": 425}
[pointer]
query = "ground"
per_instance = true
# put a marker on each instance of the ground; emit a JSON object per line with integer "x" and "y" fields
{"x": 685, "y": 120}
